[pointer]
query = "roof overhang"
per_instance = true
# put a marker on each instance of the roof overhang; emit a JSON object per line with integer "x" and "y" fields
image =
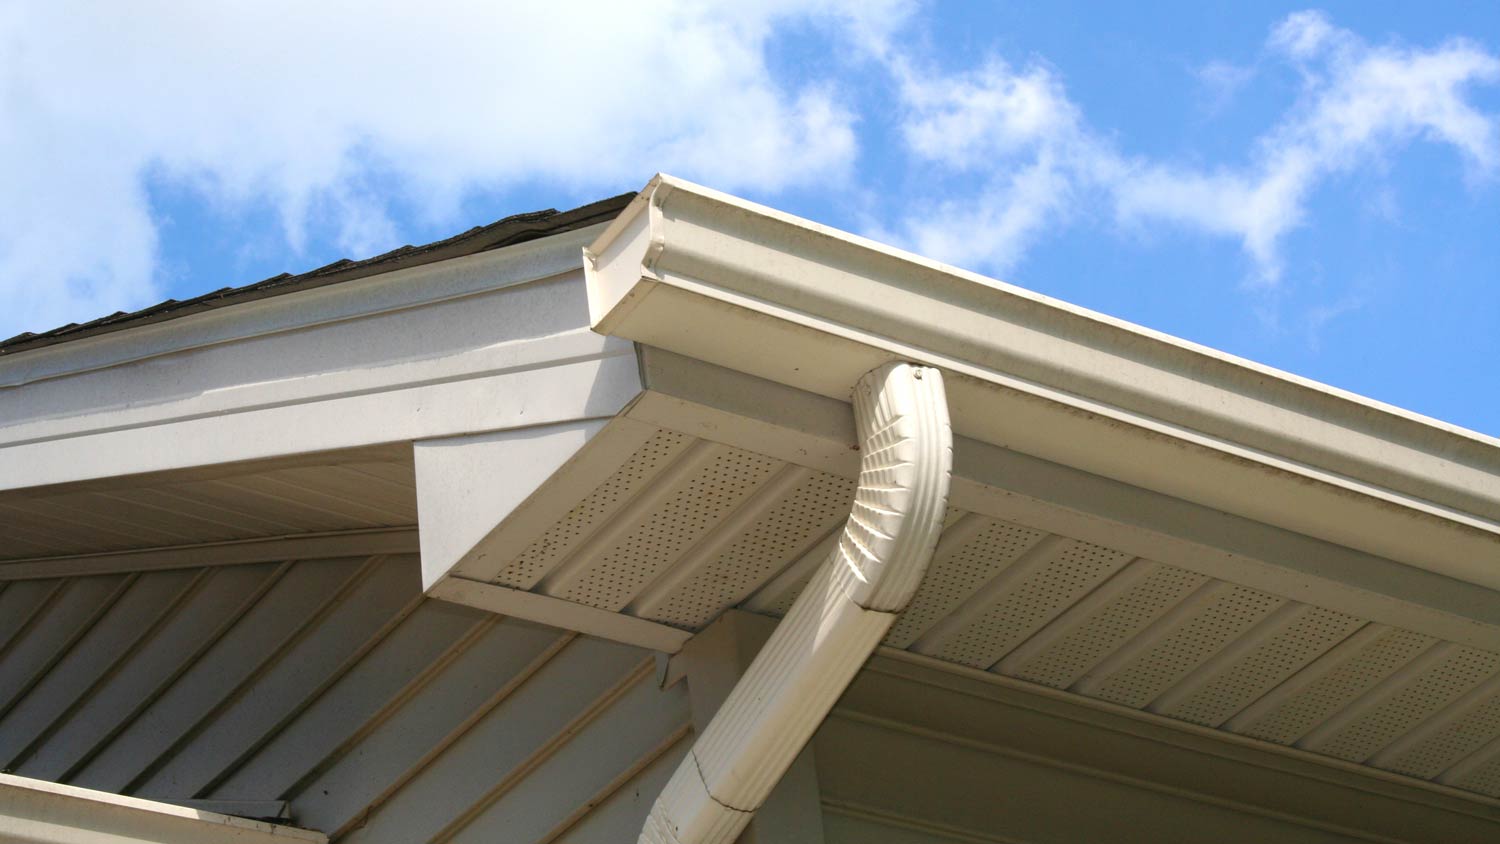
{"x": 638, "y": 490}
{"x": 715, "y": 278}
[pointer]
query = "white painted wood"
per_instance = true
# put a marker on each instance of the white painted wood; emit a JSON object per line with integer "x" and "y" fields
{"x": 38, "y": 812}
{"x": 566, "y": 615}
{"x": 466, "y": 486}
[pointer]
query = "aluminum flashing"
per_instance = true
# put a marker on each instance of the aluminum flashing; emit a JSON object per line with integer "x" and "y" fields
{"x": 716, "y": 278}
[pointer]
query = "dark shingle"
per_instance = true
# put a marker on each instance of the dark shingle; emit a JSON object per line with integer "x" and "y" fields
{"x": 517, "y": 228}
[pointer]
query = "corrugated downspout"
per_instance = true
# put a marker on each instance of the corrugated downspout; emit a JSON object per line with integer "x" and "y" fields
{"x": 901, "y": 414}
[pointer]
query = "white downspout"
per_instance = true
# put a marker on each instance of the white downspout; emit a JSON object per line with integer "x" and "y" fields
{"x": 901, "y": 415}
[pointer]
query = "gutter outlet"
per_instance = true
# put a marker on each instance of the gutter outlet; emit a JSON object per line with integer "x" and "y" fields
{"x": 906, "y": 443}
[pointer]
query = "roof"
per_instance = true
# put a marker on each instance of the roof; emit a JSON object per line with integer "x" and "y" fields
{"x": 517, "y": 228}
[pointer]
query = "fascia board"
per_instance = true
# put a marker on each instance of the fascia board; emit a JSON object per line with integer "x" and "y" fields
{"x": 385, "y": 293}
{"x": 569, "y": 390}
{"x": 723, "y": 280}
{"x": 458, "y": 347}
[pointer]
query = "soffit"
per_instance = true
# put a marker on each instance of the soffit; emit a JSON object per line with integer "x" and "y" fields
{"x": 352, "y": 490}
{"x": 684, "y": 525}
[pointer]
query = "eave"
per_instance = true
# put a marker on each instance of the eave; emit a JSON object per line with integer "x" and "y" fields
{"x": 719, "y": 279}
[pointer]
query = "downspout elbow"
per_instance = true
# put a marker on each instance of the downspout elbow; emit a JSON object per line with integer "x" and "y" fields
{"x": 906, "y": 444}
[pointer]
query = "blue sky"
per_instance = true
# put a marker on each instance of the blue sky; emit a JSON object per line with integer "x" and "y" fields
{"x": 1314, "y": 188}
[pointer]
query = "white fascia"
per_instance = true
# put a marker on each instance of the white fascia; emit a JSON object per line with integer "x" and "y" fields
{"x": 906, "y": 458}
{"x": 487, "y": 342}
{"x": 716, "y": 278}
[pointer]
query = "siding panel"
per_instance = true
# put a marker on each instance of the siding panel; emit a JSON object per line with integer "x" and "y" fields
{"x": 335, "y": 717}
{"x": 121, "y": 627}
{"x": 333, "y": 685}
{"x": 215, "y": 676}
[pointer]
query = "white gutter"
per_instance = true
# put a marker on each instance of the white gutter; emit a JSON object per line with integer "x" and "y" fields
{"x": 906, "y": 445}
{"x": 712, "y": 277}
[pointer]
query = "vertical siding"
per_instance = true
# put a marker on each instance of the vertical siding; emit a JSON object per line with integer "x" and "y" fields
{"x": 377, "y": 715}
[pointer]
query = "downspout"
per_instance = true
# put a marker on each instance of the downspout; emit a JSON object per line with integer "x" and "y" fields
{"x": 906, "y": 456}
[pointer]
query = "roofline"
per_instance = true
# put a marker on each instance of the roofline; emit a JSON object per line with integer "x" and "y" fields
{"x": 662, "y": 184}
{"x": 512, "y": 230}
{"x": 712, "y": 276}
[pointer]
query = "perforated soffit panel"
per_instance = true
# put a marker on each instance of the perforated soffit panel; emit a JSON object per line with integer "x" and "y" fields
{"x": 687, "y": 528}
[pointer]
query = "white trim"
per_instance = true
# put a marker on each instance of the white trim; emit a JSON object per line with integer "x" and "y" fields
{"x": 557, "y": 391}
{"x": 428, "y": 284}
{"x": 729, "y": 282}
{"x": 555, "y": 612}
{"x": 39, "y": 812}
{"x": 467, "y": 486}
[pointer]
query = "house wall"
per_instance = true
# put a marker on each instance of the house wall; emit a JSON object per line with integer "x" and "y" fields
{"x": 376, "y": 714}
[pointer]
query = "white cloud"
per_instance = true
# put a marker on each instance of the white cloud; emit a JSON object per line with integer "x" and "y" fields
{"x": 1303, "y": 34}
{"x": 304, "y": 105}
{"x": 1031, "y": 161}
{"x": 1359, "y": 103}
{"x": 1016, "y": 136}
{"x": 331, "y": 112}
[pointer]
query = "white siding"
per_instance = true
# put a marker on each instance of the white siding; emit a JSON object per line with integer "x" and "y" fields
{"x": 377, "y": 715}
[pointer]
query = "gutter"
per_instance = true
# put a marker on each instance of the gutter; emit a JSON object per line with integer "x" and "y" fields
{"x": 708, "y": 276}
{"x": 906, "y": 459}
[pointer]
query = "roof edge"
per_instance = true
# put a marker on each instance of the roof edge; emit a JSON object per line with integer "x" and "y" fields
{"x": 707, "y": 275}
{"x": 512, "y": 230}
